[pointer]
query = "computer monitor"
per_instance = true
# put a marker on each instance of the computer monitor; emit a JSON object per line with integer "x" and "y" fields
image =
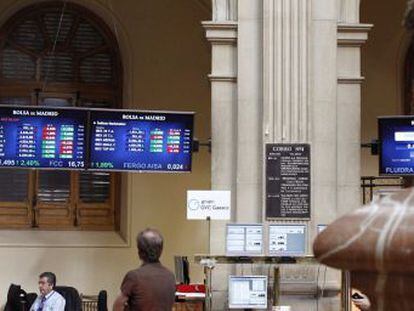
{"x": 396, "y": 141}
{"x": 244, "y": 239}
{"x": 321, "y": 227}
{"x": 182, "y": 270}
{"x": 248, "y": 292}
{"x": 43, "y": 137}
{"x": 287, "y": 240}
{"x": 147, "y": 141}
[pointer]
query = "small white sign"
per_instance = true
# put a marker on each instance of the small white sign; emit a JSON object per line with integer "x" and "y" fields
{"x": 208, "y": 203}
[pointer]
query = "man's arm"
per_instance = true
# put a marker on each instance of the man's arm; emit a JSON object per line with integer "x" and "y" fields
{"x": 120, "y": 302}
{"x": 59, "y": 304}
{"x": 34, "y": 305}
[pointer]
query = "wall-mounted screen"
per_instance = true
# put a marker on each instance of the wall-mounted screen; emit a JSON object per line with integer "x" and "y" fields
{"x": 34, "y": 137}
{"x": 244, "y": 239}
{"x": 248, "y": 292}
{"x": 140, "y": 141}
{"x": 287, "y": 240}
{"x": 396, "y": 137}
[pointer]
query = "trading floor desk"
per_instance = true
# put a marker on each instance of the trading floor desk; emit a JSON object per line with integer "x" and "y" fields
{"x": 189, "y": 305}
{"x": 210, "y": 261}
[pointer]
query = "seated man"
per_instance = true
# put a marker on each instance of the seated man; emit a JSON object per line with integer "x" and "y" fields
{"x": 48, "y": 300}
{"x": 151, "y": 287}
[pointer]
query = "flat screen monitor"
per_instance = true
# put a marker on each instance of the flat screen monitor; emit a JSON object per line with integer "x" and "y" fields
{"x": 287, "y": 240}
{"x": 140, "y": 141}
{"x": 244, "y": 239}
{"x": 396, "y": 152}
{"x": 321, "y": 227}
{"x": 35, "y": 137}
{"x": 248, "y": 292}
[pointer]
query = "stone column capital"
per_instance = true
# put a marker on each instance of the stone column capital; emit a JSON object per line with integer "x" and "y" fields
{"x": 221, "y": 32}
{"x": 353, "y": 34}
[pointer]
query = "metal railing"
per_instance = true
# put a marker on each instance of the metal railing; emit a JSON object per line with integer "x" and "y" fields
{"x": 370, "y": 185}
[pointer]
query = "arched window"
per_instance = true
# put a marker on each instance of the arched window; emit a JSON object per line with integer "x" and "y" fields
{"x": 58, "y": 54}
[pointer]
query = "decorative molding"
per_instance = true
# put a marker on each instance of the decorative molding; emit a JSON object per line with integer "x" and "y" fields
{"x": 351, "y": 80}
{"x": 220, "y": 25}
{"x": 286, "y": 70}
{"x": 220, "y": 40}
{"x": 218, "y": 78}
{"x": 221, "y": 33}
{"x": 353, "y": 34}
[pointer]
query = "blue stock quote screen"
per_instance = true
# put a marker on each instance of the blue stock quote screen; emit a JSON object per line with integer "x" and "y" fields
{"x": 141, "y": 141}
{"x": 42, "y": 138}
{"x": 396, "y": 136}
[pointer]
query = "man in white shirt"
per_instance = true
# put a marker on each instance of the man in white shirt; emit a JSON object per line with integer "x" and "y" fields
{"x": 48, "y": 300}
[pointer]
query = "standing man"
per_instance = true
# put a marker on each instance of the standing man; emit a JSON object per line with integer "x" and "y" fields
{"x": 151, "y": 287}
{"x": 48, "y": 300}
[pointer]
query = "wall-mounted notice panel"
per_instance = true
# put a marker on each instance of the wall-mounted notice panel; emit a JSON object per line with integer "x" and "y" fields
{"x": 34, "y": 137}
{"x": 141, "y": 141}
{"x": 244, "y": 239}
{"x": 288, "y": 181}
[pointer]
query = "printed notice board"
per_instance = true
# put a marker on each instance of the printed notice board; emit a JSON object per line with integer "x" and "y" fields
{"x": 288, "y": 180}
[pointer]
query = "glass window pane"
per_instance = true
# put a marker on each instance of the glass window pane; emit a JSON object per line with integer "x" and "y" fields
{"x": 54, "y": 186}
{"x": 94, "y": 187}
{"x": 14, "y": 185}
{"x": 14, "y": 182}
{"x": 57, "y": 26}
{"x": 57, "y": 67}
{"x": 84, "y": 102}
{"x": 56, "y": 102}
{"x": 28, "y": 35}
{"x": 16, "y": 101}
{"x": 17, "y": 65}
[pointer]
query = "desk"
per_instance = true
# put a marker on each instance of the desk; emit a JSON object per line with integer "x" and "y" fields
{"x": 222, "y": 259}
{"x": 189, "y": 305}
{"x": 209, "y": 262}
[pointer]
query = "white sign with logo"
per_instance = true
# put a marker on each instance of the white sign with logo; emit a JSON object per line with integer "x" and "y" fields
{"x": 208, "y": 203}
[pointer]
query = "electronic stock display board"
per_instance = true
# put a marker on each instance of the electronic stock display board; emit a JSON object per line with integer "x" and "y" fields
{"x": 396, "y": 137}
{"x": 33, "y": 137}
{"x": 123, "y": 140}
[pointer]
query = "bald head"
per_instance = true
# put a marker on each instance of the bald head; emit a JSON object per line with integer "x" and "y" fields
{"x": 149, "y": 243}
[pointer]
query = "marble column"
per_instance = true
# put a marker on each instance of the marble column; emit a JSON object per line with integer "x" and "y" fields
{"x": 323, "y": 112}
{"x": 224, "y": 10}
{"x": 349, "y": 11}
{"x": 249, "y": 112}
{"x": 286, "y": 52}
{"x": 286, "y": 71}
{"x": 286, "y": 95}
{"x": 221, "y": 32}
{"x": 350, "y": 39}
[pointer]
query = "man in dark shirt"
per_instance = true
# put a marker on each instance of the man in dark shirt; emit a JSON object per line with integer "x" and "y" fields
{"x": 151, "y": 287}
